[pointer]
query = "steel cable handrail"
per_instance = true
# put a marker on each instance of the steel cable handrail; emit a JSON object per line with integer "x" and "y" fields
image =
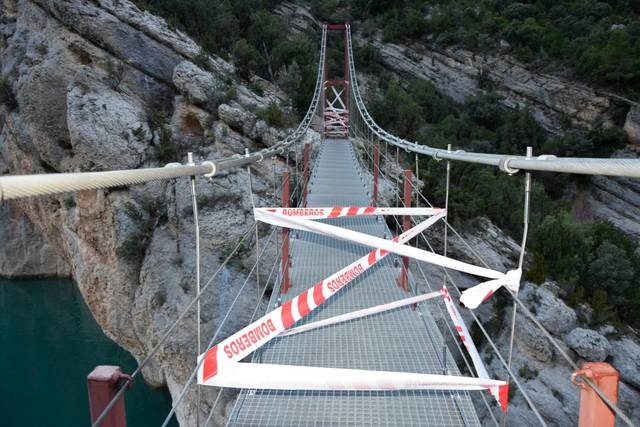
{"x": 18, "y": 186}
{"x": 528, "y": 313}
{"x": 506, "y": 163}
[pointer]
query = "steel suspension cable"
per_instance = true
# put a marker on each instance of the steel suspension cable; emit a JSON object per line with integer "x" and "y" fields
{"x": 506, "y": 163}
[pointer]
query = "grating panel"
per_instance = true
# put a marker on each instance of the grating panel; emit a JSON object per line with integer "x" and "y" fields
{"x": 404, "y": 339}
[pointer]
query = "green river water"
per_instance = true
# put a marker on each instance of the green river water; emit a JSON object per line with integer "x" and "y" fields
{"x": 49, "y": 342}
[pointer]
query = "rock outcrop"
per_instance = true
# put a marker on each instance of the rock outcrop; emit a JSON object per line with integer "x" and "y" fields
{"x": 589, "y": 344}
{"x": 544, "y": 374}
{"x": 616, "y": 200}
{"x": 556, "y": 102}
{"x": 102, "y": 85}
{"x": 553, "y": 100}
{"x": 632, "y": 124}
{"x": 24, "y": 252}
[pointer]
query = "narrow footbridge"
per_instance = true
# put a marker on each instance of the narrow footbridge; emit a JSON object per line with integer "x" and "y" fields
{"x": 354, "y": 332}
{"x": 404, "y": 339}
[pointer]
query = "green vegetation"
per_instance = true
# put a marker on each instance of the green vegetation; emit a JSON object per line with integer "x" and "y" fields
{"x": 166, "y": 150}
{"x": 248, "y": 31}
{"x": 272, "y": 114}
{"x": 600, "y": 41}
{"x": 115, "y": 73}
{"x": 593, "y": 262}
{"x": 145, "y": 215}
{"x": 527, "y": 373}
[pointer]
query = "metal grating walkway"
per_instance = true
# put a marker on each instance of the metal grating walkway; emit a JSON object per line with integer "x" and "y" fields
{"x": 399, "y": 340}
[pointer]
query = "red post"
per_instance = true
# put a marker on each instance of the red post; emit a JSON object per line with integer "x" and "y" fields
{"x": 103, "y": 384}
{"x": 285, "y": 236}
{"x": 346, "y": 68}
{"x": 305, "y": 173}
{"x": 376, "y": 172}
{"x": 403, "y": 279}
{"x": 593, "y": 411}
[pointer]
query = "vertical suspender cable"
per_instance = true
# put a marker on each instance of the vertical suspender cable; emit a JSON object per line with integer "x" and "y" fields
{"x": 253, "y": 204}
{"x": 194, "y": 201}
{"x": 446, "y": 207}
{"x": 527, "y": 196}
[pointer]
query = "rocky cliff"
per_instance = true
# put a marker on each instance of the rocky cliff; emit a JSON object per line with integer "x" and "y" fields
{"x": 101, "y": 85}
{"x": 555, "y": 101}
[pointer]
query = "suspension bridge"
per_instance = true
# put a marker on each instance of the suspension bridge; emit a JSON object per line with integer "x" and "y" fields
{"x": 356, "y": 330}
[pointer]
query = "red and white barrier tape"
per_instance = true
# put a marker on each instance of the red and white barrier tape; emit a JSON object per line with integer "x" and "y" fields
{"x": 338, "y": 212}
{"x": 291, "y": 377}
{"x": 301, "y": 219}
{"x": 361, "y": 313}
{"x": 221, "y": 366}
{"x": 250, "y": 338}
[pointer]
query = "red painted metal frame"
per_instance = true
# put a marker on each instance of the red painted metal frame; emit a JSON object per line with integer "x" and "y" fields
{"x": 593, "y": 411}
{"x": 286, "y": 284}
{"x": 376, "y": 173}
{"x": 336, "y": 120}
{"x": 103, "y": 383}
{"x": 403, "y": 279}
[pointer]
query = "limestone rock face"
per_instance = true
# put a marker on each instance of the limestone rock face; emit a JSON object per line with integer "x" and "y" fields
{"x": 195, "y": 82}
{"x": 456, "y": 73}
{"x": 24, "y": 252}
{"x": 551, "y": 311}
{"x": 543, "y": 373}
{"x": 632, "y": 124}
{"x": 616, "y": 200}
{"x": 103, "y": 86}
{"x": 102, "y": 125}
{"x": 589, "y": 344}
{"x": 626, "y": 359}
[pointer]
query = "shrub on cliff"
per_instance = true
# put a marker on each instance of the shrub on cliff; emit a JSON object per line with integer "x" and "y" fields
{"x": 7, "y": 98}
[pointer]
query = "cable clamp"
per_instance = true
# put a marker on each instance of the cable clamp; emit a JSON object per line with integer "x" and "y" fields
{"x": 213, "y": 169}
{"x": 504, "y": 165}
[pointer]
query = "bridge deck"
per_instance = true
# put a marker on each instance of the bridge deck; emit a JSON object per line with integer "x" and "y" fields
{"x": 400, "y": 340}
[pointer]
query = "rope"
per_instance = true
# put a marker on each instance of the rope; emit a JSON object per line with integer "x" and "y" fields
{"x": 527, "y": 197}
{"x": 197, "y": 236}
